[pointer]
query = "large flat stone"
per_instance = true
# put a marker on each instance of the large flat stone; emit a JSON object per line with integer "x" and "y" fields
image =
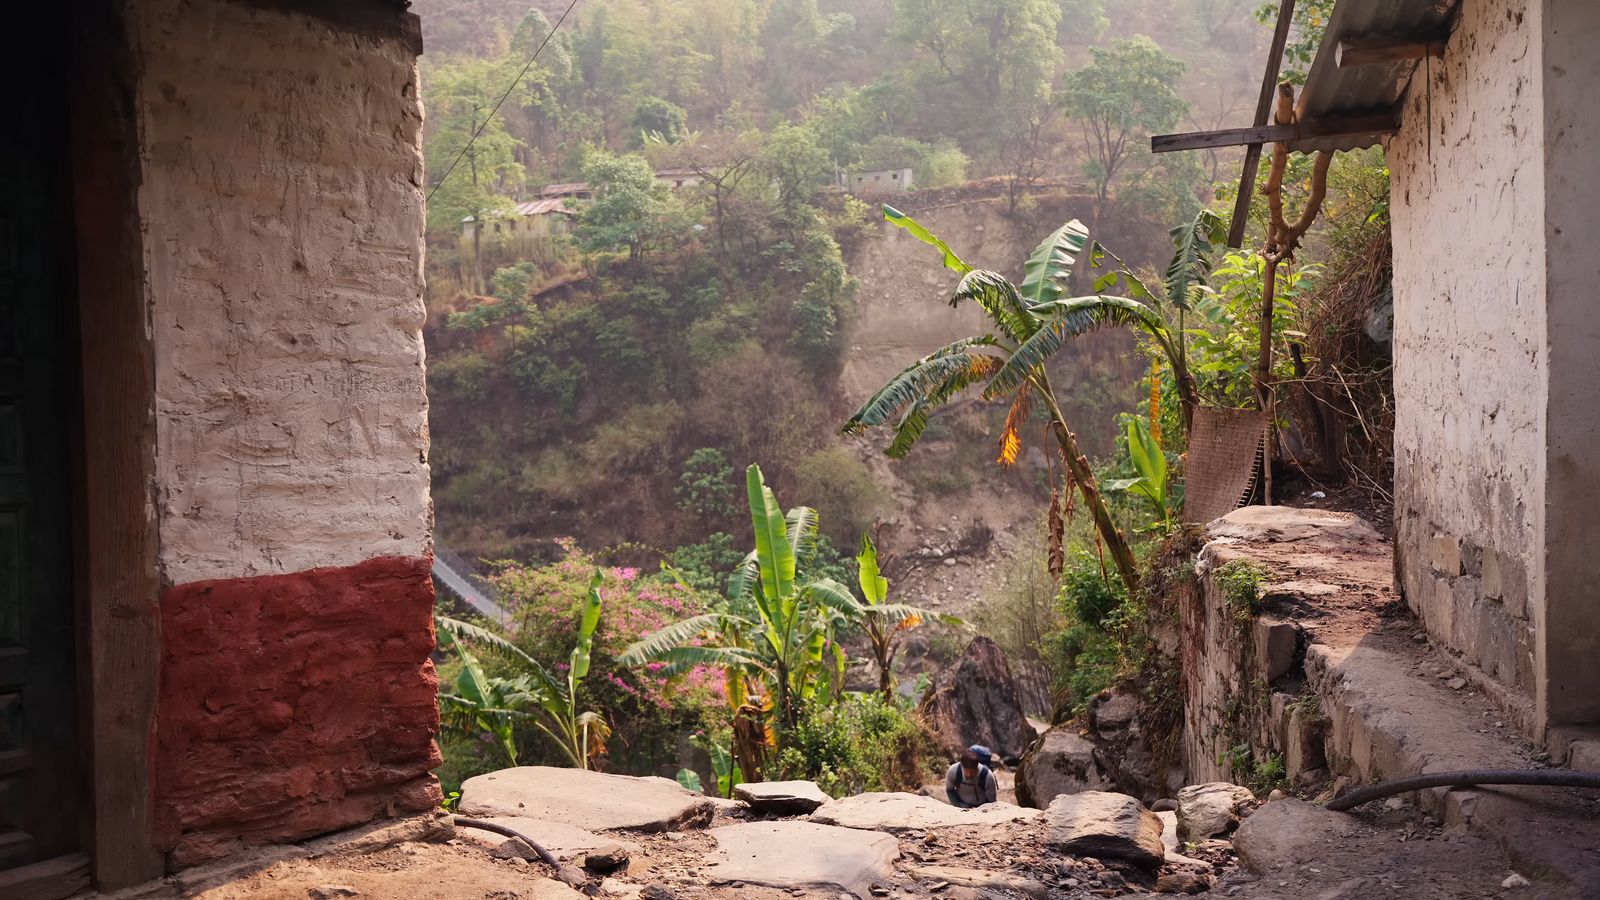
{"x": 562, "y": 840}
{"x": 1286, "y": 832}
{"x": 804, "y": 855}
{"x": 1105, "y": 825}
{"x": 589, "y": 800}
{"x": 784, "y": 798}
{"x": 912, "y": 812}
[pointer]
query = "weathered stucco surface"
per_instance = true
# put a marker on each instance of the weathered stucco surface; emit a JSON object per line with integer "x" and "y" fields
{"x": 283, "y": 216}
{"x": 1471, "y": 367}
{"x": 282, "y": 206}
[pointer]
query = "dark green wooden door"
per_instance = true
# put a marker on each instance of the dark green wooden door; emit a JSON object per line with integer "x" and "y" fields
{"x": 40, "y": 783}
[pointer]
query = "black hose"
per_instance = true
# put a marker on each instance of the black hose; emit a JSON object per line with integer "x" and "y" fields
{"x": 1541, "y": 777}
{"x": 571, "y": 875}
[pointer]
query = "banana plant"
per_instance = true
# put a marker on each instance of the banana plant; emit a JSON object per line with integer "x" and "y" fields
{"x": 1032, "y": 321}
{"x": 533, "y": 694}
{"x": 1150, "y": 462}
{"x": 1161, "y": 314}
{"x": 773, "y": 630}
{"x": 885, "y": 621}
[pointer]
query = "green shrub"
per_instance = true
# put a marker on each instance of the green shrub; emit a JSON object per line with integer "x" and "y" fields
{"x": 1093, "y": 594}
{"x": 863, "y": 744}
{"x": 706, "y": 490}
{"x": 839, "y": 484}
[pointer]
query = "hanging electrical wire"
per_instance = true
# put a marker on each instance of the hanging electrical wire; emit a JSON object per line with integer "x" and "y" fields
{"x": 496, "y": 108}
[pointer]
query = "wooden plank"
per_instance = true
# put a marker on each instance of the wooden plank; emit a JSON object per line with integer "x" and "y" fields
{"x": 1252, "y": 155}
{"x": 1367, "y": 51}
{"x": 119, "y": 584}
{"x": 52, "y": 879}
{"x": 1334, "y": 127}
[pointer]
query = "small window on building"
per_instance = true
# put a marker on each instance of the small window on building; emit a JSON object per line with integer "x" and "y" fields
{"x": 895, "y": 176}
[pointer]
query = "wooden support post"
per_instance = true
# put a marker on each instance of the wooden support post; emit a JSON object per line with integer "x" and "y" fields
{"x": 1252, "y": 156}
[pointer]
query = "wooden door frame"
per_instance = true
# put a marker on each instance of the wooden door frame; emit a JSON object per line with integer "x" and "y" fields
{"x": 118, "y": 576}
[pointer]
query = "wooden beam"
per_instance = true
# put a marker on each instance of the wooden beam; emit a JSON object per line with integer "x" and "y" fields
{"x": 1331, "y": 127}
{"x": 1252, "y": 155}
{"x": 1367, "y": 51}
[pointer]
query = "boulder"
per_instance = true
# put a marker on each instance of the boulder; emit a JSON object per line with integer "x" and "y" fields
{"x": 803, "y": 856}
{"x": 1122, "y": 747}
{"x": 589, "y": 800}
{"x": 1208, "y": 810}
{"x": 1287, "y": 832}
{"x": 896, "y": 812}
{"x": 975, "y": 701}
{"x": 1059, "y": 762}
{"x": 1105, "y": 826}
{"x": 1183, "y": 883}
{"x": 783, "y": 798}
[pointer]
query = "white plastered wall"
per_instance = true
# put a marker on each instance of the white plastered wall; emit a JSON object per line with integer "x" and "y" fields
{"x": 1471, "y": 364}
{"x": 283, "y": 217}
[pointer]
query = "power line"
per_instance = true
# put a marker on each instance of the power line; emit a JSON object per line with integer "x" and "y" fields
{"x": 509, "y": 88}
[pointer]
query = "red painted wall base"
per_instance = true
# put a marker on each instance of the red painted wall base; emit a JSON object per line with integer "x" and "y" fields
{"x": 294, "y": 705}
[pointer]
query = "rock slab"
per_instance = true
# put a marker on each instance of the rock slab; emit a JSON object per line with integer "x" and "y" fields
{"x": 1060, "y": 762}
{"x": 783, "y": 798}
{"x": 975, "y": 701}
{"x": 593, "y": 801}
{"x": 564, "y": 842}
{"x": 1207, "y": 810}
{"x": 1289, "y": 831}
{"x": 803, "y": 856}
{"x": 1105, "y": 825}
{"x": 895, "y": 812}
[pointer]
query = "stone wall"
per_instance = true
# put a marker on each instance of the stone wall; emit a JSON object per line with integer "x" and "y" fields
{"x": 282, "y": 211}
{"x": 1471, "y": 367}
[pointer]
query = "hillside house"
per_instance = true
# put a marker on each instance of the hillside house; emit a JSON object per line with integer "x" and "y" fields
{"x": 215, "y": 609}
{"x": 877, "y": 181}
{"x": 1489, "y": 118}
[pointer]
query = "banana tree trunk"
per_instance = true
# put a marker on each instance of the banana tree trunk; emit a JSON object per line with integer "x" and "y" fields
{"x": 1115, "y": 542}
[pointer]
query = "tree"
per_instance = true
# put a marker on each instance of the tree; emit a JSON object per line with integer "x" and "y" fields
{"x": 1120, "y": 99}
{"x": 486, "y": 172}
{"x": 495, "y": 705}
{"x": 705, "y": 489}
{"x": 1002, "y": 50}
{"x": 797, "y": 165}
{"x": 886, "y": 621}
{"x": 1024, "y": 149}
{"x": 1033, "y": 320}
{"x": 773, "y": 630}
{"x": 655, "y": 116}
{"x": 632, "y": 210}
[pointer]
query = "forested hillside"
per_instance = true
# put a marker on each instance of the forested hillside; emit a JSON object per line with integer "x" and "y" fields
{"x": 603, "y": 379}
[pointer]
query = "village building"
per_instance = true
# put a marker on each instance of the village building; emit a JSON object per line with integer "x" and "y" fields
{"x": 216, "y": 609}
{"x": 877, "y": 181}
{"x": 1489, "y": 120}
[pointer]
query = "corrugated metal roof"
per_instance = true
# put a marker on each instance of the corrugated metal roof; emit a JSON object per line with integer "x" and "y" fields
{"x": 540, "y": 207}
{"x": 1368, "y": 89}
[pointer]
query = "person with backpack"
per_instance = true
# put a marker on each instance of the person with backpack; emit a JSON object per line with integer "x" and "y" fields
{"x": 970, "y": 783}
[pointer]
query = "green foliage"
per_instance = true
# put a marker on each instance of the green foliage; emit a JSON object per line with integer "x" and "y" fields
{"x": 1011, "y": 366}
{"x": 1150, "y": 461}
{"x": 512, "y": 283}
{"x": 1310, "y": 23}
{"x": 1125, "y": 95}
{"x": 705, "y": 490}
{"x": 659, "y": 118}
{"x": 496, "y": 704}
{"x": 1225, "y": 334}
{"x": 775, "y": 630}
{"x": 1240, "y": 583}
{"x": 705, "y": 566}
{"x": 632, "y": 211}
{"x": 886, "y": 621}
{"x": 864, "y": 743}
{"x": 1088, "y": 594}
